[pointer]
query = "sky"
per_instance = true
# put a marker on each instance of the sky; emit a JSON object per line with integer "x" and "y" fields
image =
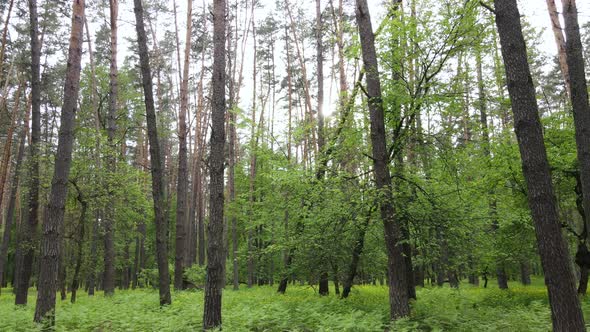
{"x": 535, "y": 12}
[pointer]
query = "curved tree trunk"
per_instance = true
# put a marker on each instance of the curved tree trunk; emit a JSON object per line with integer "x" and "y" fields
{"x": 398, "y": 290}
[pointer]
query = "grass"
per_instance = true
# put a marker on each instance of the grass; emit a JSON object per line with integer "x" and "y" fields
{"x": 301, "y": 309}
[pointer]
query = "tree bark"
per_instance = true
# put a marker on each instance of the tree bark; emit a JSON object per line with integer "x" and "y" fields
{"x": 252, "y": 179}
{"x": 108, "y": 221}
{"x": 232, "y": 165}
{"x": 566, "y": 312}
{"x": 4, "y": 37}
{"x": 525, "y": 272}
{"x": 7, "y": 153}
{"x": 79, "y": 243}
{"x": 53, "y": 222}
{"x": 215, "y": 251}
{"x": 579, "y": 98}
{"x": 182, "y": 184}
{"x": 97, "y": 158}
{"x": 560, "y": 43}
{"x": 13, "y": 196}
{"x": 28, "y": 230}
{"x": 157, "y": 170}
{"x": 398, "y": 290}
{"x": 323, "y": 285}
{"x": 356, "y": 255}
{"x": 583, "y": 286}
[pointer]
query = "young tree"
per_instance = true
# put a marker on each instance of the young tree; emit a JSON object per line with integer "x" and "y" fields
{"x": 323, "y": 286}
{"x": 565, "y": 306}
{"x": 396, "y": 265}
{"x": 158, "y": 189}
{"x": 52, "y": 223}
{"x": 215, "y": 251}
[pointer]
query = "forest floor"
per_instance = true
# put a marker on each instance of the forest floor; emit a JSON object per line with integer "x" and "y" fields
{"x": 300, "y": 309}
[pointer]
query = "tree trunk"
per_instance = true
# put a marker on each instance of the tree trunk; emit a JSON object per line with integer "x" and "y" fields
{"x": 502, "y": 276}
{"x": 13, "y": 197}
{"x": 252, "y": 179}
{"x": 53, "y": 222}
{"x": 62, "y": 271}
{"x": 108, "y": 221}
{"x": 199, "y": 174}
{"x": 232, "y": 165}
{"x": 336, "y": 280}
{"x": 398, "y": 290}
{"x": 215, "y": 251}
{"x": 4, "y": 37}
{"x": 560, "y": 43}
{"x": 8, "y": 144}
{"x": 583, "y": 286}
{"x": 157, "y": 170}
{"x": 356, "y": 255}
{"x": 323, "y": 286}
{"x": 579, "y": 98}
{"x": 93, "y": 254}
{"x": 525, "y": 272}
{"x": 79, "y": 244}
{"x": 559, "y": 278}
{"x": 28, "y": 230}
{"x": 182, "y": 184}
{"x": 97, "y": 158}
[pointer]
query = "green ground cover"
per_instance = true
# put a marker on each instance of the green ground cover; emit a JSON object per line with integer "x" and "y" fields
{"x": 301, "y": 309}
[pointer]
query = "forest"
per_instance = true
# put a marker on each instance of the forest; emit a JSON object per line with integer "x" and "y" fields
{"x": 294, "y": 165}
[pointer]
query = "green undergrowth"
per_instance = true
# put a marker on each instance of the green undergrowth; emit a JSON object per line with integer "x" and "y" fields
{"x": 301, "y": 309}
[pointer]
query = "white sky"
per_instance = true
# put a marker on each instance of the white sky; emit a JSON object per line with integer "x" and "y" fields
{"x": 535, "y": 12}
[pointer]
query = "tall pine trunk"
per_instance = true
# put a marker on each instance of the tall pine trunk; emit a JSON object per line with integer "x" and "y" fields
{"x": 28, "y": 230}
{"x": 53, "y": 221}
{"x": 182, "y": 184}
{"x": 215, "y": 252}
{"x": 109, "y": 235}
{"x": 566, "y": 312}
{"x": 157, "y": 170}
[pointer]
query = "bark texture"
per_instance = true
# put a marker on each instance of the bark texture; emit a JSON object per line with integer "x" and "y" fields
{"x": 12, "y": 198}
{"x": 28, "y": 230}
{"x": 579, "y": 99}
{"x": 157, "y": 170}
{"x": 53, "y": 222}
{"x": 559, "y": 42}
{"x": 215, "y": 252}
{"x": 566, "y": 313}
{"x": 109, "y": 235}
{"x": 182, "y": 184}
{"x": 396, "y": 264}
